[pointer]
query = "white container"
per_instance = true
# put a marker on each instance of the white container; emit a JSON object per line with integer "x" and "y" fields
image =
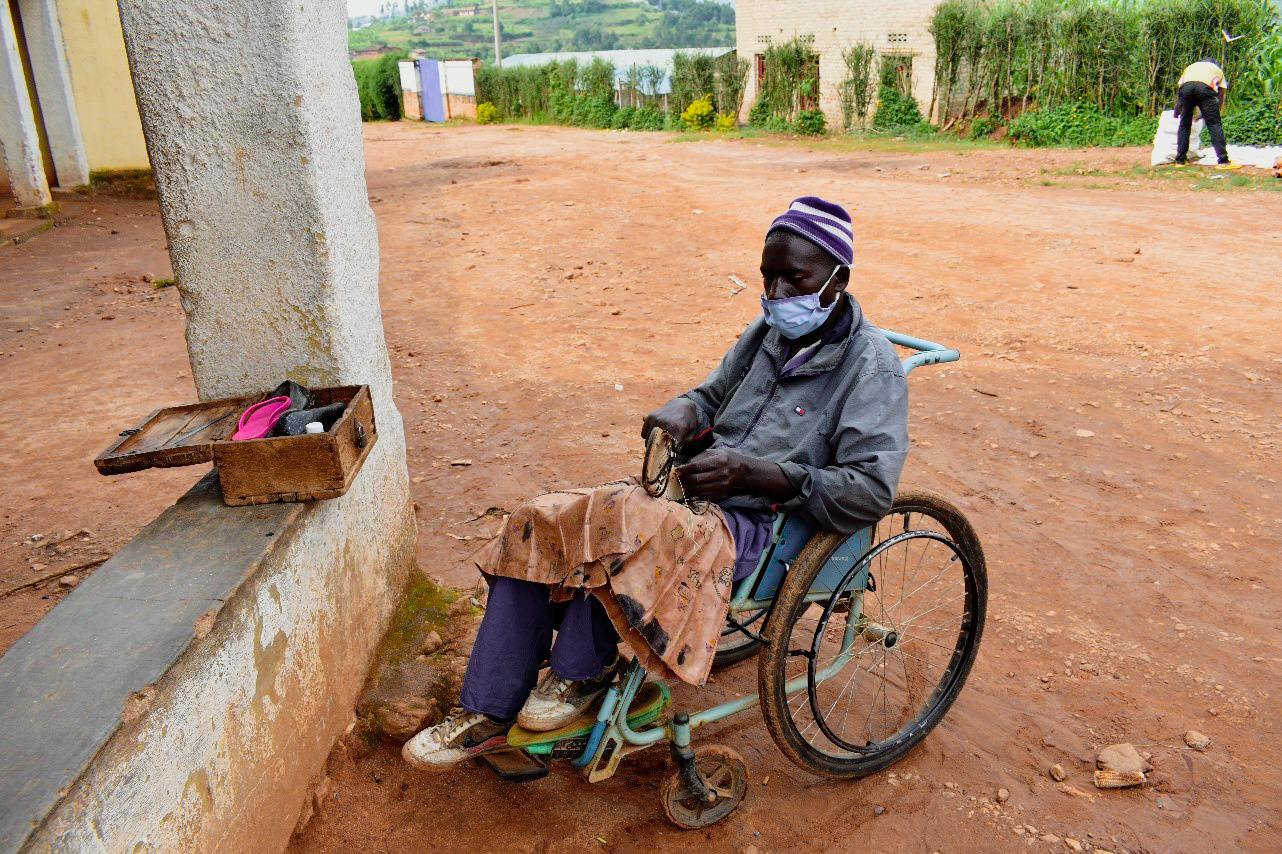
{"x": 315, "y": 427}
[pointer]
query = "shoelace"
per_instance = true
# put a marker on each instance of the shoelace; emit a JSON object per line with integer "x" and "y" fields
{"x": 453, "y": 723}
{"x": 560, "y": 688}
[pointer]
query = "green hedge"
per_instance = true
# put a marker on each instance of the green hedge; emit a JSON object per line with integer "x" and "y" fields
{"x": 1259, "y": 123}
{"x": 378, "y": 82}
{"x": 1079, "y": 126}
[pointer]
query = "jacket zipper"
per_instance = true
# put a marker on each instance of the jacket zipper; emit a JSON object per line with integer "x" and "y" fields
{"x": 774, "y": 386}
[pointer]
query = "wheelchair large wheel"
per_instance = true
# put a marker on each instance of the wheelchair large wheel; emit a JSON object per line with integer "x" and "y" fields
{"x": 913, "y": 635}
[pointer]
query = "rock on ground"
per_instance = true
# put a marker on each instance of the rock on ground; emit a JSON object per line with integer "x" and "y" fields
{"x": 1196, "y": 740}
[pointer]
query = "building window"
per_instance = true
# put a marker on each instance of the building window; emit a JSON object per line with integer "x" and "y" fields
{"x": 897, "y": 71}
{"x": 897, "y": 38}
{"x": 809, "y": 96}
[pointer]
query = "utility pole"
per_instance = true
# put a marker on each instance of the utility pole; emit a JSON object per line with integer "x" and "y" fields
{"x": 498, "y": 56}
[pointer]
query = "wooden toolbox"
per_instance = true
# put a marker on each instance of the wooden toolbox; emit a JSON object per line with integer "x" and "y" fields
{"x": 257, "y": 471}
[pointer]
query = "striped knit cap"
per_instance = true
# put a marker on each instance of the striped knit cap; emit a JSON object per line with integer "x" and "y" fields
{"x": 824, "y": 224}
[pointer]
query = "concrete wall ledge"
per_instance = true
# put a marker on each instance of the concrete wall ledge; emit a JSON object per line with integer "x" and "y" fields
{"x": 184, "y": 697}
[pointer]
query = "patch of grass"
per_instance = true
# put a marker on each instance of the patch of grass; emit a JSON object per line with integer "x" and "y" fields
{"x": 425, "y": 604}
{"x": 857, "y": 141}
{"x": 1191, "y": 178}
{"x": 164, "y": 283}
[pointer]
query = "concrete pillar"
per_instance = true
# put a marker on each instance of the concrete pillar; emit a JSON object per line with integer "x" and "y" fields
{"x": 53, "y": 88}
{"x": 253, "y": 126}
{"x": 19, "y": 142}
{"x": 253, "y": 129}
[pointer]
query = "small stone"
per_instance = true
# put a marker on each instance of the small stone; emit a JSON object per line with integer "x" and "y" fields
{"x": 1049, "y": 837}
{"x": 1085, "y": 434}
{"x": 1057, "y": 773}
{"x": 878, "y": 810}
{"x": 1073, "y": 844}
{"x": 1003, "y": 795}
{"x": 616, "y": 312}
{"x": 401, "y": 719}
{"x": 70, "y": 581}
{"x": 432, "y": 643}
{"x": 1196, "y": 740}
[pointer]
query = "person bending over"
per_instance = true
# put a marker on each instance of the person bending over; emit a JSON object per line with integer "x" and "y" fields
{"x": 807, "y": 414}
{"x": 1202, "y": 87}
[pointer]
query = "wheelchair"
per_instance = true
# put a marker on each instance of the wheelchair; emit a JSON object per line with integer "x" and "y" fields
{"x": 863, "y": 642}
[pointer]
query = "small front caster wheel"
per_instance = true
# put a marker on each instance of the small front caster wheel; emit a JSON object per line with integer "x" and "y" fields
{"x": 726, "y": 777}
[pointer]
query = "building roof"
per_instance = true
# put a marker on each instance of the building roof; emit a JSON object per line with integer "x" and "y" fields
{"x": 621, "y": 59}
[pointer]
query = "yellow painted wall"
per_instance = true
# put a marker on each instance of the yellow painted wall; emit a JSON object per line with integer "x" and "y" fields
{"x": 101, "y": 85}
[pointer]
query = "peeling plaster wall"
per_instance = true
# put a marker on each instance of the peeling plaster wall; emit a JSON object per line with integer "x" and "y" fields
{"x": 217, "y": 755}
{"x": 253, "y": 129}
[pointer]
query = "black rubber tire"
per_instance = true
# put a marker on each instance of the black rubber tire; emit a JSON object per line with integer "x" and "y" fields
{"x": 789, "y": 605}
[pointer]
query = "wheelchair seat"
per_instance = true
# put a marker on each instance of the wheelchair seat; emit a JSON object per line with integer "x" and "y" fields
{"x": 790, "y": 535}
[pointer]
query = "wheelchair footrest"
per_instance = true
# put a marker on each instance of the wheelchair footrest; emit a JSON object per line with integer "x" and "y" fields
{"x": 648, "y": 704}
{"x": 516, "y": 766}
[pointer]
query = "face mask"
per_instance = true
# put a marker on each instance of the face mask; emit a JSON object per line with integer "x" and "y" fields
{"x": 798, "y": 316}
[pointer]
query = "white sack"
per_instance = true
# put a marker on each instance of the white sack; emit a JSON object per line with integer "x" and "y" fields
{"x": 1164, "y": 141}
{"x": 1247, "y": 155}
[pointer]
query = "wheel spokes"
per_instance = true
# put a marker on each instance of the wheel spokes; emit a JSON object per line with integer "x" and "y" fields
{"x": 888, "y": 680}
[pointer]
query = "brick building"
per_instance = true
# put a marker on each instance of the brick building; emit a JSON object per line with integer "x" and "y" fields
{"x": 891, "y": 26}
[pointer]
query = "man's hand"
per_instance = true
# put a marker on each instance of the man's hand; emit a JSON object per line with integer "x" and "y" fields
{"x": 718, "y": 473}
{"x": 678, "y": 417}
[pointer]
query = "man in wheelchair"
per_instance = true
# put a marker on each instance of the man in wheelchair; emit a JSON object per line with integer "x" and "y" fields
{"x": 807, "y": 414}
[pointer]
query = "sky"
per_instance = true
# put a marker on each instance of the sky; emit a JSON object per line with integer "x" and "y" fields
{"x": 357, "y": 8}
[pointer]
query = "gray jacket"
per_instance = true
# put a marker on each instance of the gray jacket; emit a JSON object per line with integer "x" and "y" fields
{"x": 837, "y": 425}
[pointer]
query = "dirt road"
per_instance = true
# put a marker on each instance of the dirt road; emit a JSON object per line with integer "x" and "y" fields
{"x": 1113, "y": 432}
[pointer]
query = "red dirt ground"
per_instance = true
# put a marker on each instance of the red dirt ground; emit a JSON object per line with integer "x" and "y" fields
{"x": 527, "y": 271}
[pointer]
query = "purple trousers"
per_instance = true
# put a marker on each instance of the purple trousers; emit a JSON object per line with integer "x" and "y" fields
{"x": 515, "y": 639}
{"x": 516, "y": 634}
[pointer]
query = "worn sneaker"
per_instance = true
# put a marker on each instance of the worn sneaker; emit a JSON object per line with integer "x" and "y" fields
{"x": 556, "y": 701}
{"x": 460, "y": 736}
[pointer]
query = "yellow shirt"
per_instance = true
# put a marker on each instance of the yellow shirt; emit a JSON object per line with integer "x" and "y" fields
{"x": 1204, "y": 72}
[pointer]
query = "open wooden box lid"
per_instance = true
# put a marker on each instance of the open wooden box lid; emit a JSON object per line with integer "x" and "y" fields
{"x": 175, "y": 436}
{"x": 258, "y": 471}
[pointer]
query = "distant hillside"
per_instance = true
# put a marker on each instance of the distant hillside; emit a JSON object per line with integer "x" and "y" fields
{"x": 459, "y": 29}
